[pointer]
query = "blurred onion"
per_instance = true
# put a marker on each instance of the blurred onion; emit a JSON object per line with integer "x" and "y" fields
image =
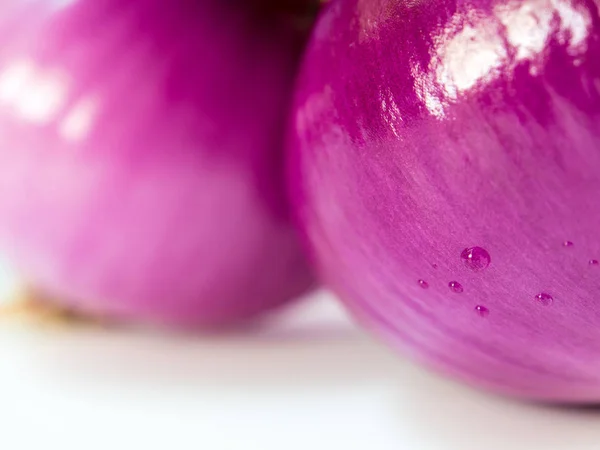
{"x": 140, "y": 157}
{"x": 446, "y": 169}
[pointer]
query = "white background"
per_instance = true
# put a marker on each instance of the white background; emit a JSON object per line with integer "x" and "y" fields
{"x": 310, "y": 381}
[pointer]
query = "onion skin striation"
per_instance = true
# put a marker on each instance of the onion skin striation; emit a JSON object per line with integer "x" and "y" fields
{"x": 445, "y": 167}
{"x": 141, "y": 165}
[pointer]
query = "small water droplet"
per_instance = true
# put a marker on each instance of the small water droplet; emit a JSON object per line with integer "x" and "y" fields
{"x": 424, "y": 284}
{"x": 476, "y": 258}
{"x": 455, "y": 286}
{"x": 544, "y": 299}
{"x": 567, "y": 244}
{"x": 594, "y": 262}
{"x": 482, "y": 310}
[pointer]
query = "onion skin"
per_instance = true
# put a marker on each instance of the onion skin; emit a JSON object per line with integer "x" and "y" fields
{"x": 423, "y": 129}
{"x": 141, "y": 159}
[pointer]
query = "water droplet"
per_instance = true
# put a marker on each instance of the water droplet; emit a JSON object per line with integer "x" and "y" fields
{"x": 455, "y": 286}
{"x": 476, "y": 258}
{"x": 482, "y": 310}
{"x": 424, "y": 284}
{"x": 567, "y": 244}
{"x": 593, "y": 262}
{"x": 544, "y": 299}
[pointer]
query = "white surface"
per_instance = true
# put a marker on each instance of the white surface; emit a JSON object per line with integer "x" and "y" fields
{"x": 309, "y": 382}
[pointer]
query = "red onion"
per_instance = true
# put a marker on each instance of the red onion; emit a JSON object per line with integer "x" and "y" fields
{"x": 446, "y": 169}
{"x": 140, "y": 157}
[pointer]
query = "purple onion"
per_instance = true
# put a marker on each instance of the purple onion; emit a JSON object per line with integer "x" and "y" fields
{"x": 457, "y": 143}
{"x": 141, "y": 157}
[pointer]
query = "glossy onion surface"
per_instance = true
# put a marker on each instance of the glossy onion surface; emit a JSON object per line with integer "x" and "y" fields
{"x": 446, "y": 169}
{"x": 141, "y": 157}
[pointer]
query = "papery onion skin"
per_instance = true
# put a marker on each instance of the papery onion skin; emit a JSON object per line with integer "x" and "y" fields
{"x": 141, "y": 170}
{"x": 428, "y": 134}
